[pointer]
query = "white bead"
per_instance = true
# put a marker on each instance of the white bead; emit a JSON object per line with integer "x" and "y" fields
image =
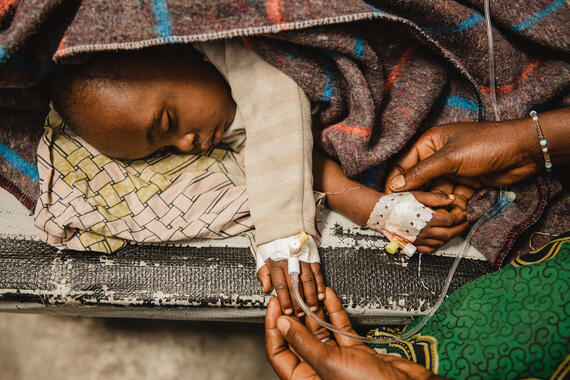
{"x": 543, "y": 142}
{"x": 548, "y": 165}
{"x": 545, "y": 150}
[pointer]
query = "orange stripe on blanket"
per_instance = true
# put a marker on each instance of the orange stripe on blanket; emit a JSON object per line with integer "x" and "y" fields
{"x": 396, "y": 70}
{"x": 5, "y": 5}
{"x": 60, "y": 48}
{"x": 274, "y": 10}
{"x": 508, "y": 88}
{"x": 352, "y": 129}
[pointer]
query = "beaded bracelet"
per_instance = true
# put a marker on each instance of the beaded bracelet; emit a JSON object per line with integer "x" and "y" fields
{"x": 542, "y": 141}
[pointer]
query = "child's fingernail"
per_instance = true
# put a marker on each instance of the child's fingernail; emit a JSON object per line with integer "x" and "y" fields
{"x": 301, "y": 314}
{"x": 321, "y": 296}
{"x": 398, "y": 182}
{"x": 313, "y": 308}
{"x": 451, "y": 196}
{"x": 288, "y": 311}
{"x": 283, "y": 325}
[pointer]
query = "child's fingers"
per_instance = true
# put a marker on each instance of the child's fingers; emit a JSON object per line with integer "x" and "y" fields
{"x": 316, "y": 267}
{"x": 442, "y": 185}
{"x": 264, "y": 277}
{"x": 298, "y": 311}
{"x": 434, "y": 243}
{"x": 462, "y": 195}
{"x": 443, "y": 233}
{"x": 434, "y": 199}
{"x": 281, "y": 288}
{"x": 425, "y": 249}
{"x": 309, "y": 286}
{"x": 443, "y": 218}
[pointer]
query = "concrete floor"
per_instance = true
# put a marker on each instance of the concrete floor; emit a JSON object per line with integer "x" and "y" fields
{"x": 51, "y": 347}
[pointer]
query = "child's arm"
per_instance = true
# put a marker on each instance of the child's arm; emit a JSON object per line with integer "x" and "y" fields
{"x": 356, "y": 202}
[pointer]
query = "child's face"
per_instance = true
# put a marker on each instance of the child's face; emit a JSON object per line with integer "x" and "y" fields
{"x": 175, "y": 101}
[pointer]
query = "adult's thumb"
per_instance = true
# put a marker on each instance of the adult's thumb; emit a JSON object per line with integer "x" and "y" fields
{"x": 424, "y": 171}
{"x": 309, "y": 348}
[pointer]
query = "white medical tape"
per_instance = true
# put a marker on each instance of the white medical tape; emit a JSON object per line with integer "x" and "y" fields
{"x": 400, "y": 214}
{"x": 277, "y": 250}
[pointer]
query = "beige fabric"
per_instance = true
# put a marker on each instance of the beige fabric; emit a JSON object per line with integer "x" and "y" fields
{"x": 275, "y": 113}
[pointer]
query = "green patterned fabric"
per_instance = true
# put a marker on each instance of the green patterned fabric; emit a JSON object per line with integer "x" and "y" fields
{"x": 510, "y": 324}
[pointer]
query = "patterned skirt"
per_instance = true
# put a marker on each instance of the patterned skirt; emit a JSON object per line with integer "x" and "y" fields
{"x": 511, "y": 324}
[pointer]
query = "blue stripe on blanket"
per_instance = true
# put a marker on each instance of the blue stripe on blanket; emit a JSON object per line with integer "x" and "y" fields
{"x": 19, "y": 163}
{"x": 163, "y": 26}
{"x": 521, "y": 26}
{"x": 19, "y": 62}
{"x": 462, "y": 26}
{"x": 358, "y": 48}
{"x": 4, "y": 55}
{"x": 459, "y": 102}
{"x": 328, "y": 91}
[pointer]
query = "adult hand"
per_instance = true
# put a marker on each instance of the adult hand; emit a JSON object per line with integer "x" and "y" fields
{"x": 311, "y": 284}
{"x": 476, "y": 154}
{"x": 296, "y": 353}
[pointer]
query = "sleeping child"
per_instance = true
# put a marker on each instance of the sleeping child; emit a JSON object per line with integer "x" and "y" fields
{"x": 147, "y": 146}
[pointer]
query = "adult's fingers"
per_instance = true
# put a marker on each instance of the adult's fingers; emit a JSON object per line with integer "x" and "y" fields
{"x": 305, "y": 344}
{"x": 394, "y": 171}
{"x": 316, "y": 268}
{"x": 316, "y": 329}
{"x": 422, "y": 172}
{"x": 309, "y": 286}
{"x": 339, "y": 319}
{"x": 280, "y": 356}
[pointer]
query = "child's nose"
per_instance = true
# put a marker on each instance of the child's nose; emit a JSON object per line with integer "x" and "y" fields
{"x": 185, "y": 143}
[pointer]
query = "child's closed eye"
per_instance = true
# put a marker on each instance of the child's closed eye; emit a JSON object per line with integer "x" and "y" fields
{"x": 172, "y": 124}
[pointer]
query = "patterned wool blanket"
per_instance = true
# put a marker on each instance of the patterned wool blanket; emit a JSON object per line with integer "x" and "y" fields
{"x": 381, "y": 72}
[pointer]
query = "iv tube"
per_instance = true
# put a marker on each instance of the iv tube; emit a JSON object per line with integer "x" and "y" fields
{"x": 502, "y": 201}
{"x": 492, "y": 84}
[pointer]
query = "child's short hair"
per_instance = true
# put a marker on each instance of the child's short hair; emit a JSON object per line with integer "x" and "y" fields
{"x": 68, "y": 85}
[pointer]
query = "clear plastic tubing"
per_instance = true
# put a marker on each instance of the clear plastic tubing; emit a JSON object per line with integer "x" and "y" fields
{"x": 502, "y": 201}
{"x": 492, "y": 84}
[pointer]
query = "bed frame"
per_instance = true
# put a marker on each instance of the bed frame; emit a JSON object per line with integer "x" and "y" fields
{"x": 214, "y": 279}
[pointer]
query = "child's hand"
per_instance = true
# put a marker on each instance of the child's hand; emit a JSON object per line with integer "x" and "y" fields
{"x": 444, "y": 224}
{"x": 461, "y": 192}
{"x": 311, "y": 285}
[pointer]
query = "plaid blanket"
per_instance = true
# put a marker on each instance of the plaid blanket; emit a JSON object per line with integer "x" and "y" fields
{"x": 380, "y": 71}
